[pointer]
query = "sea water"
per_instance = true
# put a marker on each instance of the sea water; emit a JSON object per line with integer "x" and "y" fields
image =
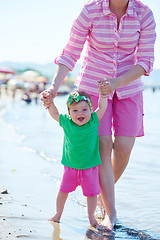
{"x": 138, "y": 190}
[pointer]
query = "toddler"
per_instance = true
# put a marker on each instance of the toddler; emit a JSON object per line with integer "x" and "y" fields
{"x": 80, "y": 150}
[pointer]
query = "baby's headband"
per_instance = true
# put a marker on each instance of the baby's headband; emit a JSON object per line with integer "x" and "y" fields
{"x": 77, "y": 98}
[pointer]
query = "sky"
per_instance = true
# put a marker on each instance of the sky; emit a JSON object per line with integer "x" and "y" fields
{"x": 37, "y": 30}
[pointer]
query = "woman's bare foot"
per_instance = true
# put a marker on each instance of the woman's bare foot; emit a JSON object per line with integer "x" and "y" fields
{"x": 109, "y": 222}
{"x": 93, "y": 222}
{"x": 55, "y": 218}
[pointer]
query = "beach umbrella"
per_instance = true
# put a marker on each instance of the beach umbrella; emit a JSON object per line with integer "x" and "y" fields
{"x": 30, "y": 76}
{"x": 6, "y": 70}
{"x": 41, "y": 79}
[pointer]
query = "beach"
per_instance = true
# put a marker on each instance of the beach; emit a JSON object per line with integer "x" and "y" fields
{"x": 30, "y": 155}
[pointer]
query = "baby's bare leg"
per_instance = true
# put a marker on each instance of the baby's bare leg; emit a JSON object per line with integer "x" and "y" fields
{"x": 91, "y": 204}
{"x": 60, "y": 202}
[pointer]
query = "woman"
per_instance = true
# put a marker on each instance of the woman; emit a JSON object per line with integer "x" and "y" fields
{"x": 120, "y": 37}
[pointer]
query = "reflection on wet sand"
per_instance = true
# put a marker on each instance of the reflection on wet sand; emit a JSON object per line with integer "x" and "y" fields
{"x": 95, "y": 234}
{"x": 56, "y": 231}
{"x": 119, "y": 232}
{"x": 91, "y": 233}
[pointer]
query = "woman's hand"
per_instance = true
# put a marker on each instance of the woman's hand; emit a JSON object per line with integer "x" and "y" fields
{"x": 107, "y": 88}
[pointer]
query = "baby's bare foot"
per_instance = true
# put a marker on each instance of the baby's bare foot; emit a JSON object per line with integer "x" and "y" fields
{"x": 55, "y": 218}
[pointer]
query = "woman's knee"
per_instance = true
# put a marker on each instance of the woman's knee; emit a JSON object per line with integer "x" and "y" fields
{"x": 123, "y": 146}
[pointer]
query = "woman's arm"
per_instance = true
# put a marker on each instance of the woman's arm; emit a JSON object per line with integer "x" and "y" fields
{"x": 60, "y": 74}
{"x": 114, "y": 83}
{"x": 50, "y": 93}
{"x": 71, "y": 53}
{"x": 145, "y": 55}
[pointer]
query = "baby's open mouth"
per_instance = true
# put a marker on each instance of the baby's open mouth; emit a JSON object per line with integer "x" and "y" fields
{"x": 80, "y": 119}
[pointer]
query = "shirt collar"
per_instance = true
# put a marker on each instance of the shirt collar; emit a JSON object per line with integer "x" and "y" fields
{"x": 130, "y": 9}
{"x": 106, "y": 9}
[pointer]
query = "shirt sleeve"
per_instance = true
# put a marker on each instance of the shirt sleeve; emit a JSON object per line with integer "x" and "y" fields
{"x": 145, "y": 51}
{"x": 79, "y": 31}
{"x": 61, "y": 120}
{"x": 95, "y": 117}
{"x": 64, "y": 119}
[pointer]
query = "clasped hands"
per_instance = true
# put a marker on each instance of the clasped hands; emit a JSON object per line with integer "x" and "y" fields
{"x": 47, "y": 97}
{"x": 105, "y": 87}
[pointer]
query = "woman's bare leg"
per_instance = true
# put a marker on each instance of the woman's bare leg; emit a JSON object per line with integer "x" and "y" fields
{"x": 107, "y": 181}
{"x": 122, "y": 148}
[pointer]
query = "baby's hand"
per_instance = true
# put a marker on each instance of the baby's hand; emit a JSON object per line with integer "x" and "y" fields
{"x": 101, "y": 83}
{"x": 47, "y": 105}
{"x": 102, "y": 87}
{"x": 46, "y": 99}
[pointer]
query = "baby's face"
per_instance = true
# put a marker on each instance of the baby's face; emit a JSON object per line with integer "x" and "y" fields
{"x": 80, "y": 113}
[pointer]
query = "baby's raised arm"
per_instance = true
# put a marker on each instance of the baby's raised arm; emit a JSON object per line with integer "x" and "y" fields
{"x": 53, "y": 111}
{"x": 102, "y": 102}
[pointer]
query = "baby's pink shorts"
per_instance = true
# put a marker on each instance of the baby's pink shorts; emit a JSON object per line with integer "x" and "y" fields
{"x": 88, "y": 179}
{"x": 123, "y": 116}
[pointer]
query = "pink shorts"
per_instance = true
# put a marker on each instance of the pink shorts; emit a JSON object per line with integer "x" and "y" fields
{"x": 88, "y": 179}
{"x": 123, "y": 116}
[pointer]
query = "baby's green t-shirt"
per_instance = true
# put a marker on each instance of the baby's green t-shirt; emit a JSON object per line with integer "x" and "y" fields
{"x": 81, "y": 143}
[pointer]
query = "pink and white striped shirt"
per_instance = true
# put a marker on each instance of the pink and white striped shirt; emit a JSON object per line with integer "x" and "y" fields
{"x": 110, "y": 51}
